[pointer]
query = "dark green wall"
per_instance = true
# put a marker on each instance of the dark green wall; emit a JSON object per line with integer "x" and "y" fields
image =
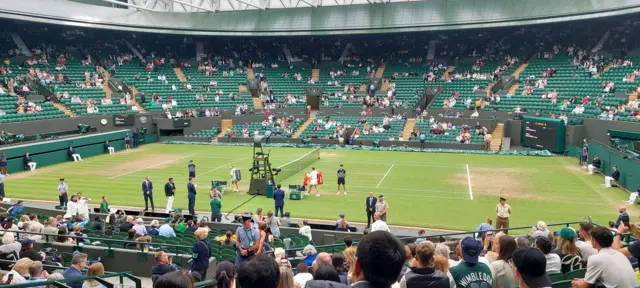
{"x": 53, "y": 152}
{"x": 629, "y": 168}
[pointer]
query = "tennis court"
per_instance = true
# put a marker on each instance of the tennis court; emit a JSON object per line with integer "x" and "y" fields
{"x": 437, "y": 190}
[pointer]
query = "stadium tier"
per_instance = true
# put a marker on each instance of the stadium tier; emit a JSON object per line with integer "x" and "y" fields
{"x": 283, "y": 128}
{"x": 369, "y": 128}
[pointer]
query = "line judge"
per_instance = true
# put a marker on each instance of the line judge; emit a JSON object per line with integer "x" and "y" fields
{"x": 503, "y": 211}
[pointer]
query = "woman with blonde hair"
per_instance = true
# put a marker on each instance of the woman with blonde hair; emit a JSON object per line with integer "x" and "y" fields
{"x": 19, "y": 269}
{"x": 286, "y": 277}
{"x": 203, "y": 251}
{"x": 441, "y": 263}
{"x": 274, "y": 225}
{"x": 569, "y": 253}
{"x": 96, "y": 269}
{"x": 350, "y": 260}
{"x": 443, "y": 250}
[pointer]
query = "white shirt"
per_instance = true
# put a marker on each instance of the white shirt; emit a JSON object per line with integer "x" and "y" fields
{"x": 379, "y": 225}
{"x": 586, "y": 250}
{"x": 612, "y": 268}
{"x": 72, "y": 208}
{"x": 302, "y": 278}
{"x": 554, "y": 264}
{"x": 314, "y": 175}
{"x": 306, "y": 231}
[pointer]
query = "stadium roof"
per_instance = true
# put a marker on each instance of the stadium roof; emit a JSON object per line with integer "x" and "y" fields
{"x": 235, "y": 5}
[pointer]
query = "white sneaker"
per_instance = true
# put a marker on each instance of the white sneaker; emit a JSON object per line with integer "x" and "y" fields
{"x": 317, "y": 195}
{"x": 345, "y": 192}
{"x": 307, "y": 194}
{"x": 338, "y": 192}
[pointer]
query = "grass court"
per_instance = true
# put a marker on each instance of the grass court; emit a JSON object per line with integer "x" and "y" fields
{"x": 431, "y": 190}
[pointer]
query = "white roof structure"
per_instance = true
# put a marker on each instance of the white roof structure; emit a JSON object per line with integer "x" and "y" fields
{"x": 212, "y": 6}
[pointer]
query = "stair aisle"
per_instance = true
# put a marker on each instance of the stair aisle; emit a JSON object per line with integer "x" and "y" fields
{"x": 496, "y": 137}
{"x": 304, "y": 125}
{"x": 408, "y": 128}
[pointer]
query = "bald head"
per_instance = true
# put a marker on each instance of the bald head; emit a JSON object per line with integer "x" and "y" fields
{"x": 622, "y": 209}
{"x": 323, "y": 258}
{"x": 371, "y": 194}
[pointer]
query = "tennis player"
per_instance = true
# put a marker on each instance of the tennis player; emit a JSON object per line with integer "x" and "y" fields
{"x": 341, "y": 177}
{"x": 235, "y": 178}
{"x": 313, "y": 182}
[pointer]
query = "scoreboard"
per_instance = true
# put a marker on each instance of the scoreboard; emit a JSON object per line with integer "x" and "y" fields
{"x": 124, "y": 119}
{"x": 543, "y": 133}
{"x": 181, "y": 122}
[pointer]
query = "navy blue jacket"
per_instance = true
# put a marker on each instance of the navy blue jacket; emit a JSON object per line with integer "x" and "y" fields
{"x": 191, "y": 189}
{"x": 204, "y": 253}
{"x": 371, "y": 206}
{"x": 278, "y": 195}
{"x": 145, "y": 188}
{"x": 158, "y": 270}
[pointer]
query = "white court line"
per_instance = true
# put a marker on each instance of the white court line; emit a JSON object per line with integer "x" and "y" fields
{"x": 416, "y": 190}
{"x": 222, "y": 166}
{"x": 167, "y": 162}
{"x": 469, "y": 181}
{"x": 410, "y": 195}
{"x": 385, "y": 175}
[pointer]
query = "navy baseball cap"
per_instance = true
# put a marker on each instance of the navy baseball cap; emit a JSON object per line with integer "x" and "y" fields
{"x": 470, "y": 250}
{"x": 532, "y": 266}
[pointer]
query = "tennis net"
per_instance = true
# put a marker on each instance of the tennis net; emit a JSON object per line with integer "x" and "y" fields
{"x": 295, "y": 166}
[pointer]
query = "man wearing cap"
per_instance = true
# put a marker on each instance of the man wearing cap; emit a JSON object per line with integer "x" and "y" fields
{"x": 191, "y": 195}
{"x": 170, "y": 192}
{"x": 278, "y": 197}
{"x": 28, "y": 251}
{"x": 341, "y": 179}
{"x": 248, "y": 239}
{"x": 615, "y": 175}
{"x": 147, "y": 192}
{"x": 382, "y": 207}
{"x": 609, "y": 268}
{"x": 503, "y": 211}
{"x": 192, "y": 169}
{"x": 470, "y": 272}
{"x": 530, "y": 268}
{"x": 370, "y": 202}
{"x": 63, "y": 188}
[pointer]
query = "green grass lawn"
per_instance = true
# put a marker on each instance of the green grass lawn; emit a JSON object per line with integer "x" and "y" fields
{"x": 423, "y": 189}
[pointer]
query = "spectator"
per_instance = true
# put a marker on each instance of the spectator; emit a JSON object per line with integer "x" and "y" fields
{"x": 379, "y": 259}
{"x": 28, "y": 251}
{"x": 260, "y": 272}
{"x": 609, "y": 267}
{"x": 78, "y": 262}
{"x": 444, "y": 251}
{"x": 310, "y": 254}
{"x": 595, "y": 164}
{"x": 305, "y": 230}
{"x": 422, "y": 236}
{"x": 34, "y": 222}
{"x": 191, "y": 226}
{"x": 95, "y": 225}
{"x": 35, "y": 273}
{"x": 54, "y": 277}
{"x": 10, "y": 247}
{"x": 302, "y": 275}
{"x": 63, "y": 236}
{"x": 523, "y": 241}
{"x": 484, "y": 227}
{"x": 379, "y": 224}
{"x": 226, "y": 275}
{"x": 568, "y": 251}
{"x": 139, "y": 227}
{"x": 131, "y": 240}
{"x": 229, "y": 239}
{"x": 553, "y": 260}
{"x": 142, "y": 243}
{"x": 166, "y": 230}
{"x": 347, "y": 241}
{"x": 529, "y": 268}
{"x": 153, "y": 228}
{"x": 164, "y": 265}
{"x": 128, "y": 225}
{"x": 18, "y": 270}
{"x": 96, "y": 269}
{"x": 176, "y": 279}
{"x": 470, "y": 271}
{"x": 51, "y": 226}
{"x": 501, "y": 271}
{"x": 585, "y": 246}
{"x": 623, "y": 217}
{"x": 540, "y": 230}
{"x": 337, "y": 260}
{"x": 423, "y": 273}
{"x": 201, "y": 248}
{"x": 286, "y": 276}
{"x": 325, "y": 276}
{"x": 247, "y": 240}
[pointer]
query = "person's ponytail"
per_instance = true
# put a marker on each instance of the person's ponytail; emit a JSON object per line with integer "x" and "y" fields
{"x": 223, "y": 281}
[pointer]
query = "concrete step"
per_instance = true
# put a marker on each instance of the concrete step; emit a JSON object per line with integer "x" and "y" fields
{"x": 497, "y": 137}
{"x": 305, "y": 125}
{"x": 134, "y": 102}
{"x": 180, "y": 75}
{"x": 105, "y": 86}
{"x": 447, "y": 73}
{"x": 64, "y": 109}
{"x": 225, "y": 125}
{"x": 519, "y": 70}
{"x": 408, "y": 128}
{"x": 250, "y": 75}
{"x": 257, "y": 103}
{"x": 315, "y": 74}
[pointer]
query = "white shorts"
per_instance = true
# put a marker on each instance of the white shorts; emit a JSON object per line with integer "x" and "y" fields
{"x": 313, "y": 182}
